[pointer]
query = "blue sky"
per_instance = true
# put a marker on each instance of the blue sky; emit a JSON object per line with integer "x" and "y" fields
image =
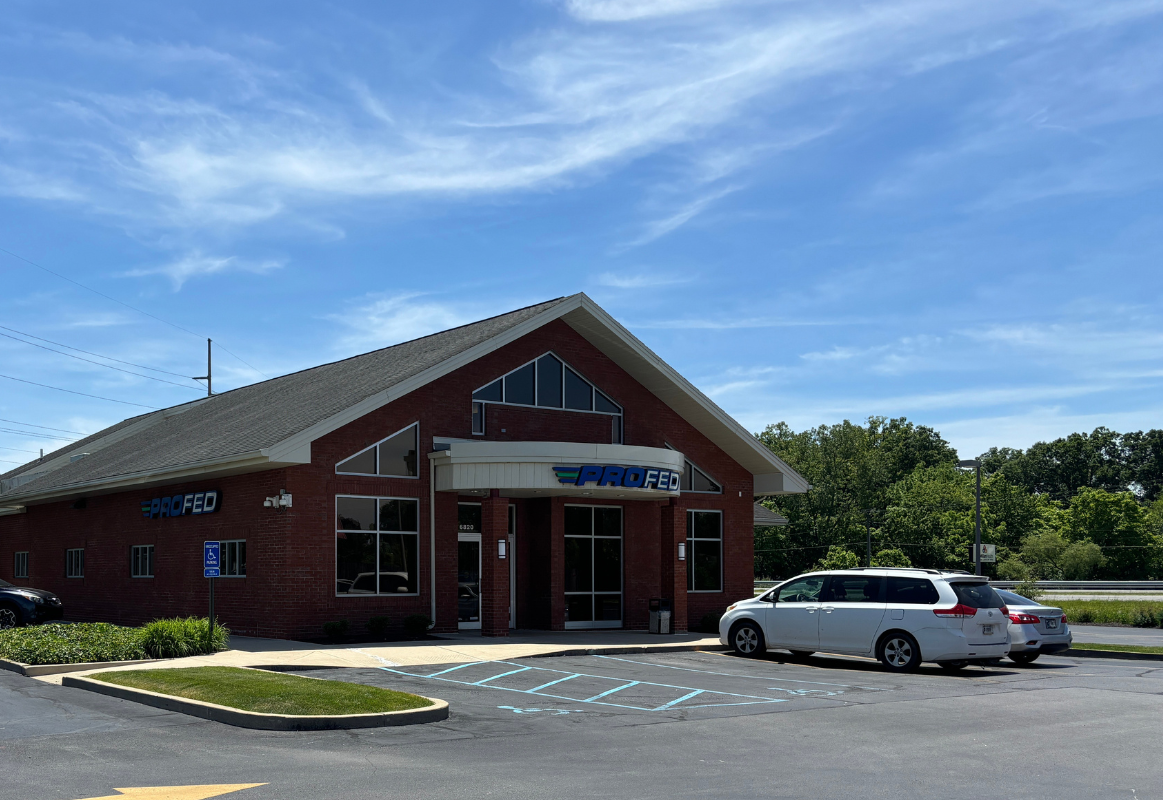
{"x": 815, "y": 211}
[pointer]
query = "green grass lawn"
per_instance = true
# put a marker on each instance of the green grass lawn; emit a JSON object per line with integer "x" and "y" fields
{"x": 265, "y": 692}
{"x": 1139, "y": 613}
{"x": 1118, "y": 648}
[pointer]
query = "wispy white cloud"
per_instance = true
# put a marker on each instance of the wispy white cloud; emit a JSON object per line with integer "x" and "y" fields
{"x": 196, "y": 265}
{"x": 672, "y": 222}
{"x": 387, "y": 320}
{"x": 626, "y": 10}
{"x": 640, "y": 280}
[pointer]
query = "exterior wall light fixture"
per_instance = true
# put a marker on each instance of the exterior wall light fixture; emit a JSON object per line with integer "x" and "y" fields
{"x": 283, "y": 500}
{"x": 682, "y": 551}
{"x": 501, "y": 545}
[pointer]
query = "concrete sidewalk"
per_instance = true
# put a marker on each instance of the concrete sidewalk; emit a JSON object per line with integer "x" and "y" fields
{"x": 247, "y": 651}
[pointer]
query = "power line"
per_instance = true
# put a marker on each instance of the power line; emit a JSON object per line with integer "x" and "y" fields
{"x": 70, "y": 391}
{"x": 6, "y": 461}
{"x": 132, "y": 308}
{"x": 98, "y": 363}
{"x": 46, "y": 427}
{"x": 98, "y": 355}
{"x": 18, "y": 450}
{"x": 39, "y": 435}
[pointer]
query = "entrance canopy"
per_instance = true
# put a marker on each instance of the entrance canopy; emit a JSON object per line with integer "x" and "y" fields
{"x": 546, "y": 469}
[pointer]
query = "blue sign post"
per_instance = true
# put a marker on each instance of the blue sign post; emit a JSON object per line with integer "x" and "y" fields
{"x": 211, "y": 568}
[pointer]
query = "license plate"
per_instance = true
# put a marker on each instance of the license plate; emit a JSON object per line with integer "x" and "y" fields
{"x": 986, "y": 630}
{"x": 1051, "y": 623}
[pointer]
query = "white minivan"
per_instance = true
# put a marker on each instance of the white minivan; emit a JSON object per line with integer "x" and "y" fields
{"x": 900, "y": 616}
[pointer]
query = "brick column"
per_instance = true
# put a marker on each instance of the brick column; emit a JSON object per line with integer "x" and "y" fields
{"x": 494, "y": 570}
{"x": 557, "y": 564}
{"x": 447, "y": 560}
{"x": 673, "y": 573}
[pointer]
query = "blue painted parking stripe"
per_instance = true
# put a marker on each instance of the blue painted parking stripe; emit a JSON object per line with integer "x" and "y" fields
{"x": 665, "y": 706}
{"x": 553, "y": 683}
{"x": 451, "y": 669}
{"x": 503, "y": 674}
{"x": 611, "y": 691}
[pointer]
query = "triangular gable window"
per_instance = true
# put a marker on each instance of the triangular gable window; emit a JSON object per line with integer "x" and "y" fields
{"x": 546, "y": 382}
{"x": 694, "y": 479}
{"x": 393, "y": 457}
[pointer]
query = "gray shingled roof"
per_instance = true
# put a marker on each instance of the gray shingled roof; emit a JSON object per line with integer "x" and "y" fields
{"x": 260, "y": 415}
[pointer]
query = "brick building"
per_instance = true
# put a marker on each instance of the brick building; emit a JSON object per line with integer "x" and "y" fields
{"x": 540, "y": 469}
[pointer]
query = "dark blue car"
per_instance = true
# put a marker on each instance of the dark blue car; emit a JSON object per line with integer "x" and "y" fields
{"x": 20, "y": 606}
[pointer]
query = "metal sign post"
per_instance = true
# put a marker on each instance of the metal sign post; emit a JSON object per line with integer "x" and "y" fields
{"x": 211, "y": 568}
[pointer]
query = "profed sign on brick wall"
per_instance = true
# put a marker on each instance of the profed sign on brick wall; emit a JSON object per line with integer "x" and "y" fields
{"x": 613, "y": 475}
{"x": 182, "y": 505}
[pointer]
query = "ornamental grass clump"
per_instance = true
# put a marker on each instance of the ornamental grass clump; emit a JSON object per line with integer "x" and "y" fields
{"x": 181, "y": 637}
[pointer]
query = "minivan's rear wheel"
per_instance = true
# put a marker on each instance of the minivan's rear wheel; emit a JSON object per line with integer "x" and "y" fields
{"x": 899, "y": 652}
{"x": 747, "y": 640}
{"x": 9, "y": 618}
{"x": 1024, "y": 658}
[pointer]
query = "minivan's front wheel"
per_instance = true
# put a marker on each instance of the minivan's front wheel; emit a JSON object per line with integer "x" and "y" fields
{"x": 747, "y": 640}
{"x": 899, "y": 652}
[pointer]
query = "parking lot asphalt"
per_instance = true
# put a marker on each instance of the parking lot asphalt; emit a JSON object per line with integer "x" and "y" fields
{"x": 659, "y": 725}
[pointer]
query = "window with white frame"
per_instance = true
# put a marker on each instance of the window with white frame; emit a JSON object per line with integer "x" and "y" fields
{"x": 20, "y": 568}
{"x": 547, "y": 382}
{"x": 376, "y": 545}
{"x": 234, "y": 558}
{"x": 141, "y": 561}
{"x": 704, "y": 551}
{"x": 393, "y": 457}
{"x": 75, "y": 563}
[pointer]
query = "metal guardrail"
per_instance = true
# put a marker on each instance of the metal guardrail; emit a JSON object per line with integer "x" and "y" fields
{"x": 1094, "y": 586}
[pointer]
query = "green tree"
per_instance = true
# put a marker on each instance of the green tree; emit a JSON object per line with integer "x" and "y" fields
{"x": 1118, "y": 524}
{"x": 891, "y": 558}
{"x": 838, "y": 558}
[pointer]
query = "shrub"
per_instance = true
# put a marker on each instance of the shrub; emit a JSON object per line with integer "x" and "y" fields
{"x": 71, "y": 644}
{"x": 1140, "y": 613}
{"x": 337, "y": 629}
{"x": 1028, "y": 587}
{"x": 378, "y": 627}
{"x": 416, "y": 625}
{"x": 180, "y": 637}
{"x": 709, "y": 623}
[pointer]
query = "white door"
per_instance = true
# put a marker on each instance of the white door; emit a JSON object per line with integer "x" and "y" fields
{"x": 792, "y": 622}
{"x": 468, "y": 581}
{"x": 851, "y": 610}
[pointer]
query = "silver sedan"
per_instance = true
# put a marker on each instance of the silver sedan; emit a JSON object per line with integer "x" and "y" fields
{"x": 1034, "y": 629}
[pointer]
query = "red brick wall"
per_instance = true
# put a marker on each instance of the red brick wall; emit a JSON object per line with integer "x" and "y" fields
{"x": 290, "y": 588}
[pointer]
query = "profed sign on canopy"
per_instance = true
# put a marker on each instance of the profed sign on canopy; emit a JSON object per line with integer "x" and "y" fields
{"x": 613, "y": 475}
{"x": 181, "y": 505}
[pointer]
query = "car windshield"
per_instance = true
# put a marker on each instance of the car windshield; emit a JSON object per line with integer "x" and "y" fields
{"x": 977, "y": 595}
{"x": 1012, "y": 599}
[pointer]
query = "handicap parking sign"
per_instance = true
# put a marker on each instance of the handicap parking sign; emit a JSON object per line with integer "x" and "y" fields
{"x": 211, "y": 565}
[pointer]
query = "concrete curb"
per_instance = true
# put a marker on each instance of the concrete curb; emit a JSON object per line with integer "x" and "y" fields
{"x": 267, "y": 722}
{"x": 1074, "y": 653}
{"x": 35, "y": 670}
{"x": 631, "y": 650}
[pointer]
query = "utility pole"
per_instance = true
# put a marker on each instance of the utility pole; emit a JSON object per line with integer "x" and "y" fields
{"x": 868, "y": 533}
{"x": 209, "y": 376}
{"x": 975, "y": 464}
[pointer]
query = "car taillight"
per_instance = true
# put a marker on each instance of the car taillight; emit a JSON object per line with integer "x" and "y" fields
{"x": 1023, "y": 619}
{"x": 959, "y": 610}
{"x": 1004, "y": 610}
{"x": 1063, "y": 619}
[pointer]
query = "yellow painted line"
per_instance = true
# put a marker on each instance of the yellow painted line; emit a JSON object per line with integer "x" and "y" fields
{"x": 176, "y": 792}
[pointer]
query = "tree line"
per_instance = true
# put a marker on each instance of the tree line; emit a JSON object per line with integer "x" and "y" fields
{"x": 1080, "y": 507}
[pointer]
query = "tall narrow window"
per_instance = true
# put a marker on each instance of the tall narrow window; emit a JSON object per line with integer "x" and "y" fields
{"x": 478, "y": 419}
{"x": 75, "y": 563}
{"x": 141, "y": 561}
{"x": 234, "y": 559}
{"x": 704, "y": 547}
{"x": 393, "y": 457}
{"x": 593, "y": 566}
{"x": 20, "y": 568}
{"x": 548, "y": 382}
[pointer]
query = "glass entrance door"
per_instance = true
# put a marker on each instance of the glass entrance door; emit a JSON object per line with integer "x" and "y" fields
{"x": 593, "y": 567}
{"x": 468, "y": 581}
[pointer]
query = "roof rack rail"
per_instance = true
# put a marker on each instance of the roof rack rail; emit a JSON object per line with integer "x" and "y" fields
{"x": 903, "y": 569}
